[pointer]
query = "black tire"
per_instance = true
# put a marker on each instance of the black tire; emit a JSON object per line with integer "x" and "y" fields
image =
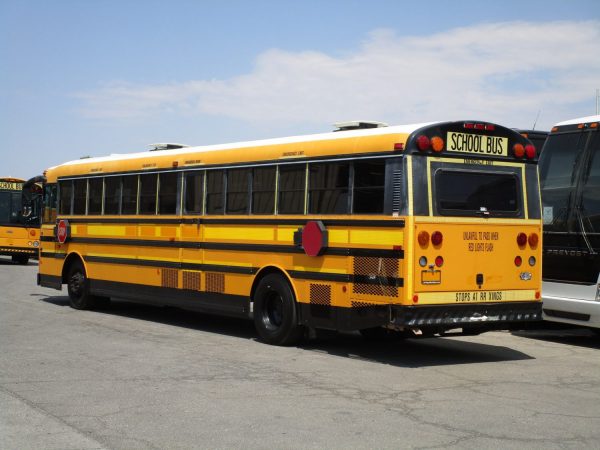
{"x": 78, "y": 288}
{"x": 275, "y": 312}
{"x": 20, "y": 259}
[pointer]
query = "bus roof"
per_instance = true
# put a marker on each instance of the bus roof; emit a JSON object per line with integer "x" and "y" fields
{"x": 579, "y": 120}
{"x": 12, "y": 179}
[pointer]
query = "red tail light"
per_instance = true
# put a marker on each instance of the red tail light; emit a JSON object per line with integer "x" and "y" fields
{"x": 518, "y": 261}
{"x": 519, "y": 150}
{"x": 437, "y": 238}
{"x": 530, "y": 151}
{"x": 439, "y": 261}
{"x": 533, "y": 240}
{"x": 423, "y": 238}
{"x": 423, "y": 143}
{"x": 521, "y": 239}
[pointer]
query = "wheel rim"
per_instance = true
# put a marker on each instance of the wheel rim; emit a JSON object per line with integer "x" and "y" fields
{"x": 273, "y": 311}
{"x": 76, "y": 284}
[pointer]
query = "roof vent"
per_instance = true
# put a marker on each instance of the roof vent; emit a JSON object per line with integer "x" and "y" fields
{"x": 166, "y": 146}
{"x": 358, "y": 125}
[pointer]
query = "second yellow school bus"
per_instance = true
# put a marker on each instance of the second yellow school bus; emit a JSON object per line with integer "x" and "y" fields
{"x": 424, "y": 228}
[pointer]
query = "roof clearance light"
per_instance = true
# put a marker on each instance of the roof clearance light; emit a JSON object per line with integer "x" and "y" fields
{"x": 423, "y": 143}
{"x": 490, "y": 127}
{"x": 436, "y": 238}
{"x": 530, "y": 151}
{"x": 554, "y": 129}
{"x": 594, "y": 125}
{"x": 399, "y": 146}
{"x": 479, "y": 126}
{"x": 521, "y": 239}
{"x": 437, "y": 144}
{"x": 519, "y": 150}
{"x": 468, "y": 126}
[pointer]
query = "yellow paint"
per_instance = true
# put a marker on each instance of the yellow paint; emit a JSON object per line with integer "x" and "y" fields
{"x": 376, "y": 237}
{"x": 106, "y": 230}
{"x": 236, "y": 233}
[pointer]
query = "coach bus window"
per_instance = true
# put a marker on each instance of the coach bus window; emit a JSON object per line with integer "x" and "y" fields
{"x": 557, "y": 178}
{"x": 214, "y": 192}
{"x": 95, "y": 196}
{"x": 167, "y": 193}
{"x": 49, "y": 215}
{"x": 237, "y": 191}
{"x": 129, "y": 194}
{"x": 66, "y": 189}
{"x": 591, "y": 189}
{"x": 465, "y": 193}
{"x": 148, "y": 193}
{"x": 328, "y": 188}
{"x": 79, "y": 196}
{"x": 263, "y": 190}
{"x": 112, "y": 195}
{"x": 369, "y": 178}
{"x": 292, "y": 182}
{"x": 194, "y": 192}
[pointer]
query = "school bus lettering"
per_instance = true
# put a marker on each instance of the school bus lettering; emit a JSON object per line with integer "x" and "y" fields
{"x": 475, "y": 143}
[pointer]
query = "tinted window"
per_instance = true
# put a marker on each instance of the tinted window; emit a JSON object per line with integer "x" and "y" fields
{"x": 214, "y": 192}
{"x": 194, "y": 192}
{"x": 49, "y": 215}
{"x": 95, "y": 197}
{"x": 292, "y": 182}
{"x": 112, "y": 195}
{"x": 263, "y": 190}
{"x": 79, "y": 196}
{"x": 237, "y": 191}
{"x": 129, "y": 194}
{"x": 561, "y": 153}
{"x": 148, "y": 193}
{"x": 465, "y": 193}
{"x": 328, "y": 188}
{"x": 66, "y": 190}
{"x": 167, "y": 193}
{"x": 591, "y": 188}
{"x": 369, "y": 179}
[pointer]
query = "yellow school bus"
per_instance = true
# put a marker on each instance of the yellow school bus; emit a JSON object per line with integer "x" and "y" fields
{"x": 425, "y": 228}
{"x": 19, "y": 231}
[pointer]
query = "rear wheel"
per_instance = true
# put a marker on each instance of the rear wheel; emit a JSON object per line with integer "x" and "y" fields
{"x": 78, "y": 288}
{"x": 275, "y": 312}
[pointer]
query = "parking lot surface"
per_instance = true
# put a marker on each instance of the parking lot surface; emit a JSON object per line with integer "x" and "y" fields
{"x": 141, "y": 377}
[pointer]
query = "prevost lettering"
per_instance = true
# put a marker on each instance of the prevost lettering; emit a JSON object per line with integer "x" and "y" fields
{"x": 477, "y": 143}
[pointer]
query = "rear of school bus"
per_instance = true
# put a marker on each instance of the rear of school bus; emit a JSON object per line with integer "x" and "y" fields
{"x": 473, "y": 247}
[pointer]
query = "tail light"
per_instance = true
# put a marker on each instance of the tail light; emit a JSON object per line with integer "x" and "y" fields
{"x": 533, "y": 240}
{"x": 423, "y": 143}
{"x": 521, "y": 239}
{"x": 519, "y": 150}
{"x": 437, "y": 144}
{"x": 439, "y": 261}
{"x": 530, "y": 151}
{"x": 518, "y": 261}
{"x": 436, "y": 238}
{"x": 423, "y": 238}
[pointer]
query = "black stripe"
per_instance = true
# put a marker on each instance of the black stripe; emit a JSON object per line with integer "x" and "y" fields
{"x": 395, "y": 223}
{"x": 322, "y": 276}
{"x": 53, "y": 255}
{"x": 266, "y": 248}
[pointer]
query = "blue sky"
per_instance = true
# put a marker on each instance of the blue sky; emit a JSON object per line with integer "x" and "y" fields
{"x": 98, "y": 77}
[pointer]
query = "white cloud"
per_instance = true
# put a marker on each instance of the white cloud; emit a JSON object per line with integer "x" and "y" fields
{"x": 503, "y": 72}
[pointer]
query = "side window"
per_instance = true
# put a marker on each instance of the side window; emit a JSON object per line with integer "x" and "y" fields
{"x": 167, "y": 193}
{"x": 591, "y": 189}
{"x": 129, "y": 194}
{"x": 79, "y": 196}
{"x": 263, "y": 190}
{"x": 49, "y": 215}
{"x": 95, "y": 196}
{"x": 237, "y": 191}
{"x": 66, "y": 192}
{"x": 214, "y": 192}
{"x": 328, "y": 188}
{"x": 369, "y": 180}
{"x": 194, "y": 192}
{"x": 148, "y": 184}
{"x": 112, "y": 195}
{"x": 292, "y": 183}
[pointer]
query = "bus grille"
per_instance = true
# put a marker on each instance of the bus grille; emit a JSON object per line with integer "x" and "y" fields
{"x": 215, "y": 282}
{"x": 320, "y": 294}
{"x": 376, "y": 268}
{"x": 170, "y": 278}
{"x": 191, "y": 280}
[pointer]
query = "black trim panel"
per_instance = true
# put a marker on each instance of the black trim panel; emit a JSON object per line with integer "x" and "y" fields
{"x": 49, "y": 281}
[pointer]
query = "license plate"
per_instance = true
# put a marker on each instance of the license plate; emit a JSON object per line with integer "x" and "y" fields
{"x": 477, "y": 144}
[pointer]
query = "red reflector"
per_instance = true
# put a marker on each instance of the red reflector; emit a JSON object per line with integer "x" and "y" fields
{"x": 415, "y": 298}
{"x": 175, "y": 163}
{"x": 437, "y": 238}
{"x": 31, "y": 232}
{"x": 518, "y": 261}
{"x": 519, "y": 150}
{"x": 521, "y": 239}
{"x": 397, "y": 248}
{"x": 537, "y": 295}
{"x": 530, "y": 151}
{"x": 423, "y": 143}
{"x": 533, "y": 240}
{"x": 468, "y": 126}
{"x": 439, "y": 261}
{"x": 399, "y": 146}
{"x": 423, "y": 238}
{"x": 479, "y": 126}
{"x": 490, "y": 127}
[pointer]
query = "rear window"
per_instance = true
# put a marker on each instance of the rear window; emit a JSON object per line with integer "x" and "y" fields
{"x": 463, "y": 193}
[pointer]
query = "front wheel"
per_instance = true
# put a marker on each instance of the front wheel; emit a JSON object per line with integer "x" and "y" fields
{"x": 78, "y": 288}
{"x": 275, "y": 313}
